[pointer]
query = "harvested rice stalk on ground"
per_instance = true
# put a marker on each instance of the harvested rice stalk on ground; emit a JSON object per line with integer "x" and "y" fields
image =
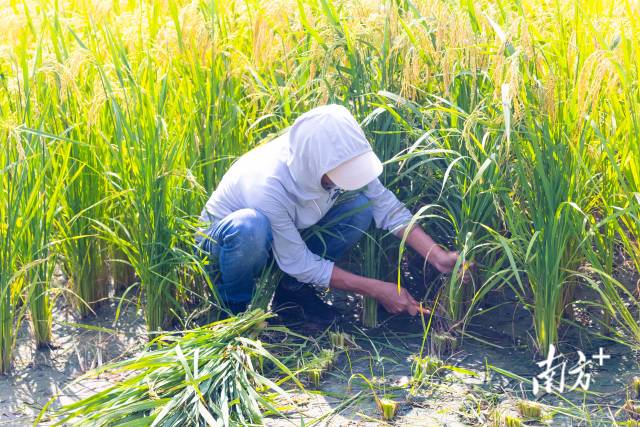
{"x": 266, "y": 286}
{"x": 530, "y": 409}
{"x": 315, "y": 368}
{"x": 500, "y": 418}
{"x": 341, "y": 340}
{"x": 387, "y": 407}
{"x": 634, "y": 387}
{"x": 204, "y": 376}
{"x": 631, "y": 409}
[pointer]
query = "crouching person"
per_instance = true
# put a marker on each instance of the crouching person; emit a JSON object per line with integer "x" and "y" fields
{"x": 273, "y": 192}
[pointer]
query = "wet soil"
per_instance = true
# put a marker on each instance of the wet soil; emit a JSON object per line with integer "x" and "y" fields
{"x": 494, "y": 343}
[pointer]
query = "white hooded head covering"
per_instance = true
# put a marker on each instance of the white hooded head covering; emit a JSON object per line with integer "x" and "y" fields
{"x": 319, "y": 141}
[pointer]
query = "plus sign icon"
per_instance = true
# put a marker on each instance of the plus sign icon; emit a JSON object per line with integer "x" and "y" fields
{"x": 600, "y": 357}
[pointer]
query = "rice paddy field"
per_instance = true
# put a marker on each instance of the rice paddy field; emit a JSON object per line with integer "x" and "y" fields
{"x": 511, "y": 128}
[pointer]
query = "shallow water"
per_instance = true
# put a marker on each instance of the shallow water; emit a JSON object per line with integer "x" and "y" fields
{"x": 500, "y": 339}
{"x": 384, "y": 353}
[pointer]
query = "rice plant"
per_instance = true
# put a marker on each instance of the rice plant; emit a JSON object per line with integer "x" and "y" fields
{"x": 148, "y": 161}
{"x": 12, "y": 228}
{"x": 547, "y": 236}
{"x": 37, "y": 259}
{"x": 81, "y": 207}
{"x": 473, "y": 175}
{"x": 27, "y": 264}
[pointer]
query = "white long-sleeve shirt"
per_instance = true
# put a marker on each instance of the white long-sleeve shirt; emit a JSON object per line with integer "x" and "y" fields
{"x": 282, "y": 180}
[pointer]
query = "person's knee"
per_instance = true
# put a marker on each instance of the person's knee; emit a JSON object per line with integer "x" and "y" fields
{"x": 252, "y": 229}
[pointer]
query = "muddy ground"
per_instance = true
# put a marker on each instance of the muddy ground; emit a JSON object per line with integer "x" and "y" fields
{"x": 382, "y": 355}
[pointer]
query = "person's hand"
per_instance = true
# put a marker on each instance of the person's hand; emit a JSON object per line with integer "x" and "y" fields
{"x": 447, "y": 261}
{"x": 396, "y": 302}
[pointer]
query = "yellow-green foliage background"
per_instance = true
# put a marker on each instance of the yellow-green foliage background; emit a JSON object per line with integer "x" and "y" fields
{"x": 118, "y": 118}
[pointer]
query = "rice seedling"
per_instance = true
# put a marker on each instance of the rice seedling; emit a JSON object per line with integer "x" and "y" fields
{"x": 203, "y": 376}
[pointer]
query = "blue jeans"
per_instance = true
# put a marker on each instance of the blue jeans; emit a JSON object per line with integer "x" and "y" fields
{"x": 239, "y": 245}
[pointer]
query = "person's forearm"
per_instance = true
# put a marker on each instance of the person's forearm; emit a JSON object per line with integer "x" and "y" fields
{"x": 422, "y": 243}
{"x": 393, "y": 299}
{"x": 346, "y": 281}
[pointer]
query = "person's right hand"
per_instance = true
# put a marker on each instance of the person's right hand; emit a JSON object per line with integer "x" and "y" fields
{"x": 396, "y": 302}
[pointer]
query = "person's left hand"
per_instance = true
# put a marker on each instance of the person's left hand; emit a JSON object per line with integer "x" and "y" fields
{"x": 447, "y": 261}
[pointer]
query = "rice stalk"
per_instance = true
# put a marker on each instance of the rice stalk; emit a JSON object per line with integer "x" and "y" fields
{"x": 548, "y": 235}
{"x": 204, "y": 376}
{"x": 13, "y": 227}
{"x": 38, "y": 211}
{"x": 371, "y": 268}
{"x": 148, "y": 161}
